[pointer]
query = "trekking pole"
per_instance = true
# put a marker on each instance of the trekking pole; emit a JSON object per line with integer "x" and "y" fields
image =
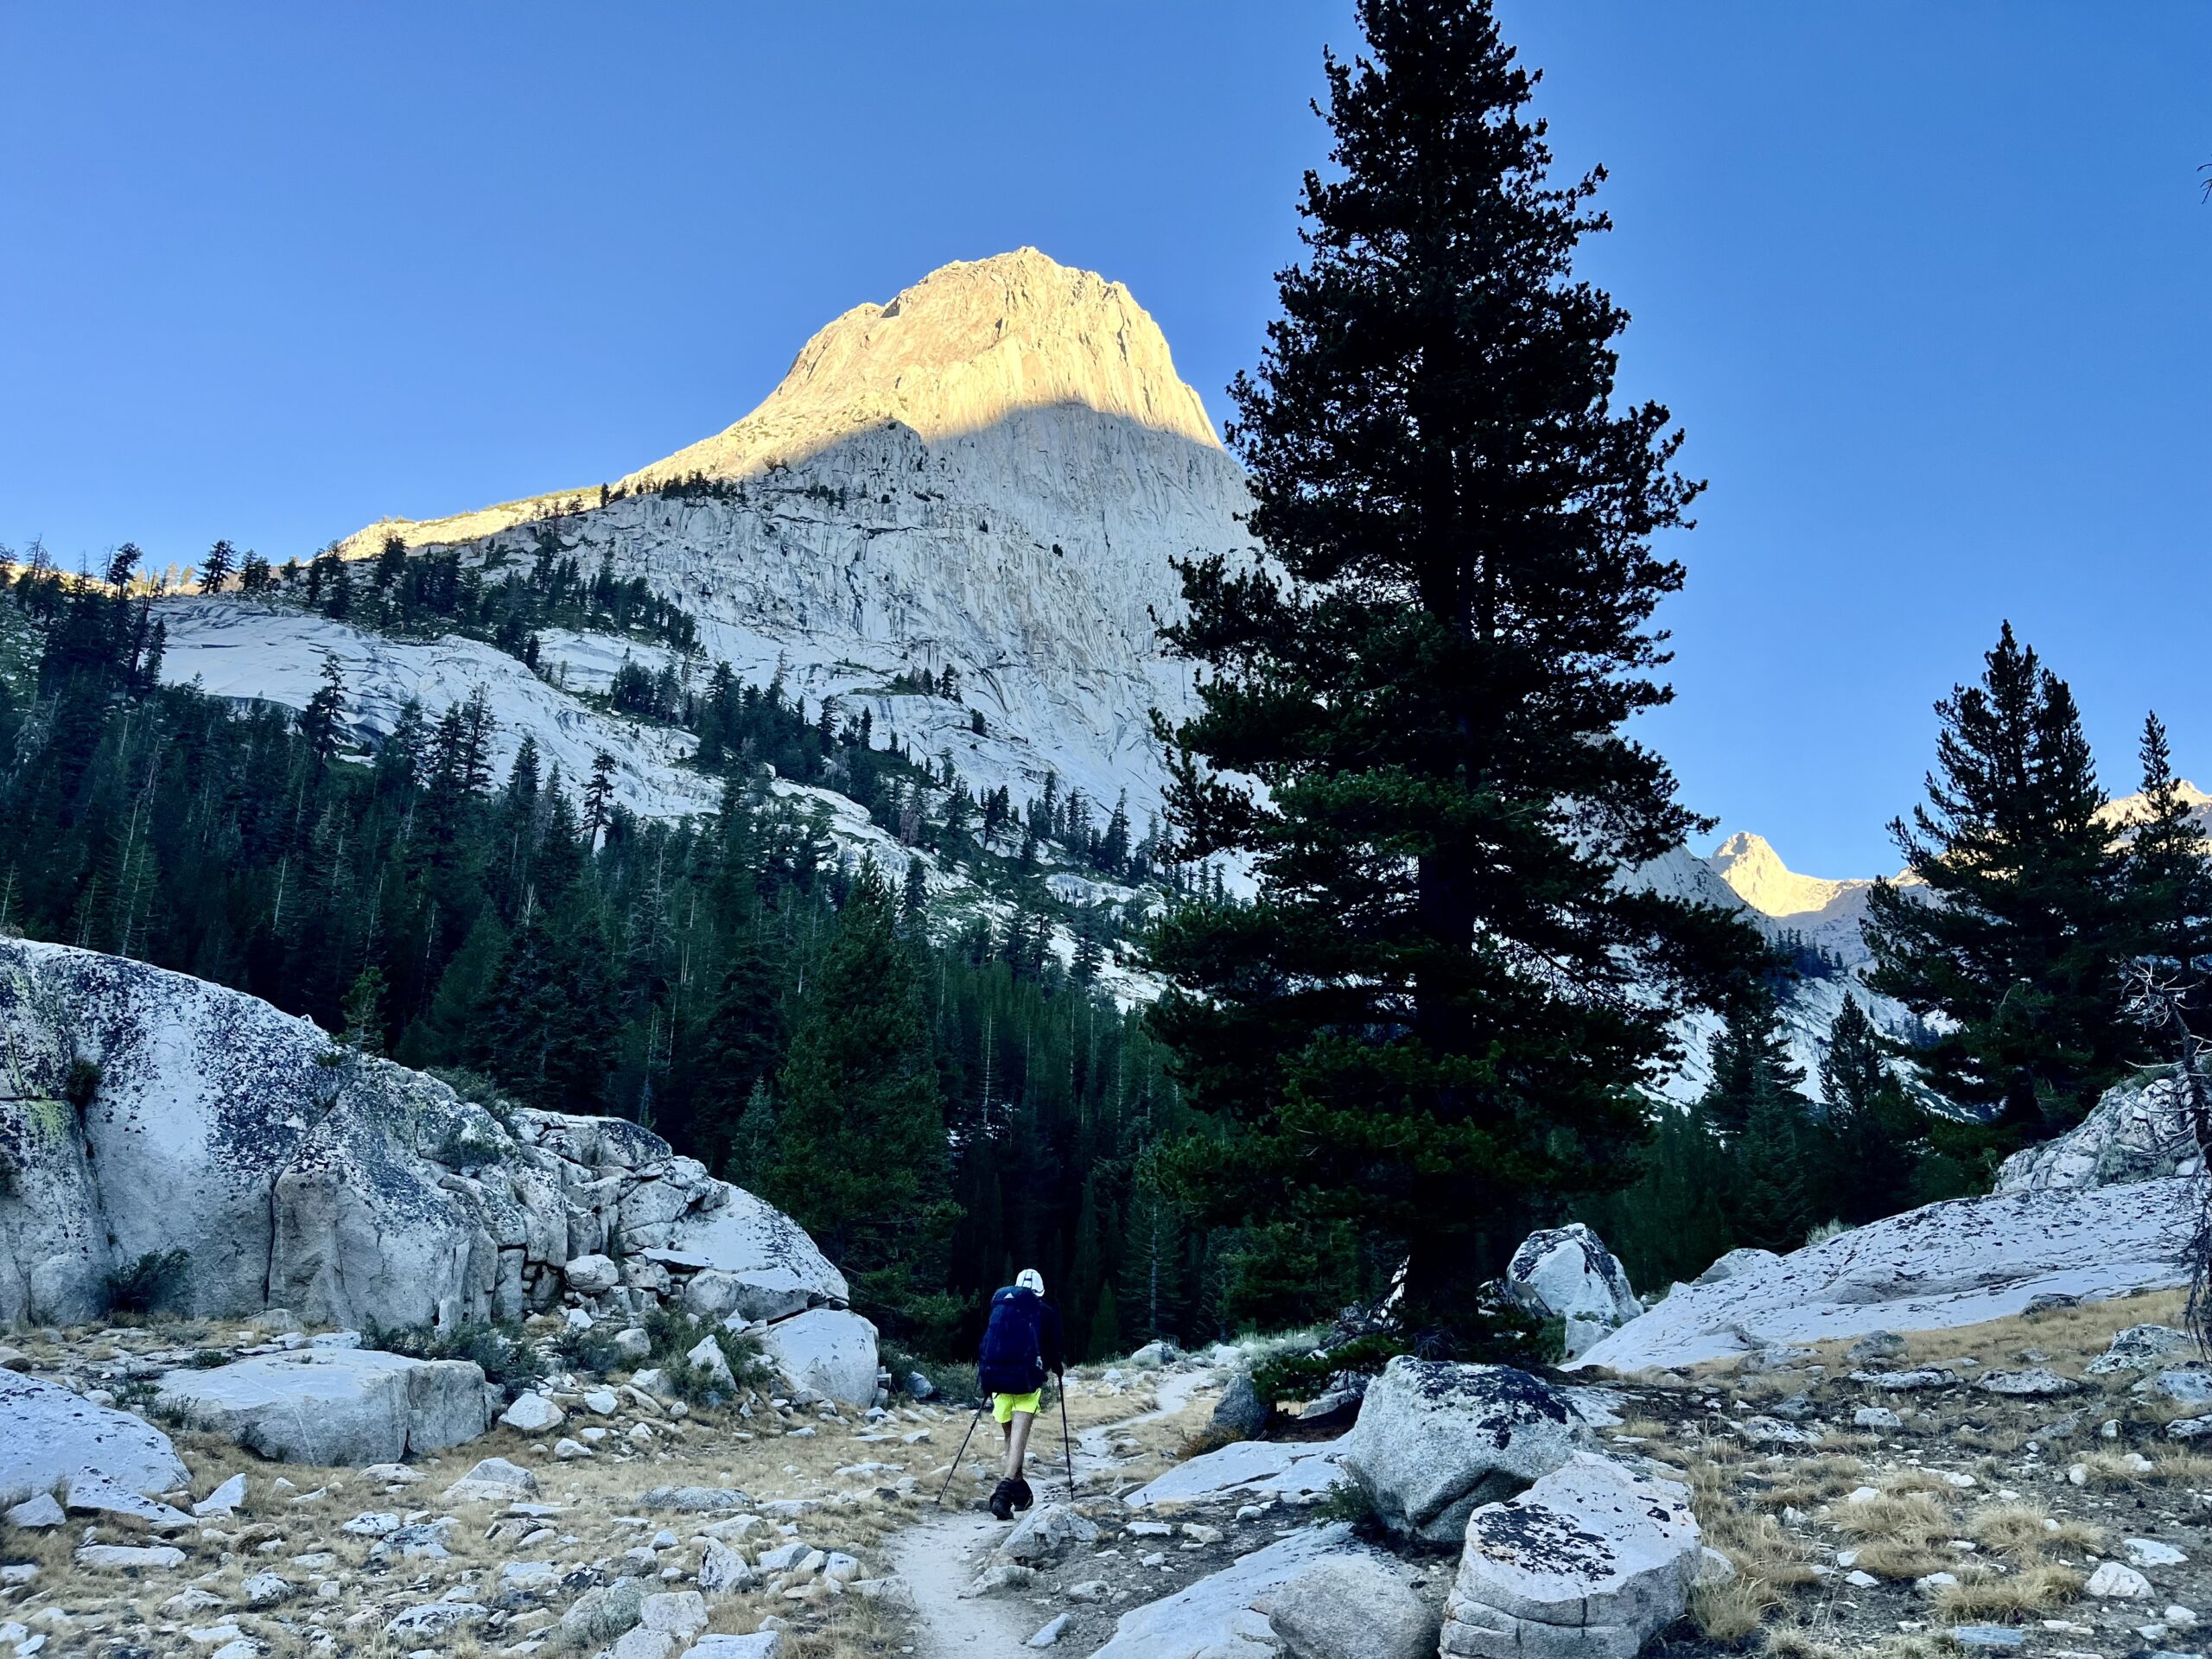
{"x": 956, "y": 1455}
{"x": 1067, "y": 1447}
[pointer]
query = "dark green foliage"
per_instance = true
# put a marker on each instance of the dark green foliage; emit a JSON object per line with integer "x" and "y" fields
{"x": 2169, "y": 877}
{"x": 509, "y": 1360}
{"x": 2023, "y": 947}
{"x": 1423, "y": 1027}
{"x": 861, "y": 1158}
{"x": 81, "y": 1083}
{"x": 1757, "y": 1163}
{"x": 1303, "y": 1374}
{"x": 206, "y": 1359}
{"x": 419, "y": 904}
{"x": 1874, "y": 1137}
{"x": 591, "y": 1349}
{"x": 674, "y": 1333}
{"x": 144, "y": 1284}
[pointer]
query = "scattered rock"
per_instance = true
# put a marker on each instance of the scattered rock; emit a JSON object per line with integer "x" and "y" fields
{"x": 1355, "y": 1603}
{"x": 1049, "y": 1632}
{"x": 1875, "y": 1344}
{"x": 1216, "y": 1615}
{"x": 1567, "y": 1273}
{"x": 1240, "y": 1411}
{"x": 331, "y": 1405}
{"x": 764, "y": 1644}
{"x": 1436, "y": 1440}
{"x": 722, "y": 1572}
{"x": 1045, "y": 1534}
{"x": 47, "y": 1435}
{"x": 1591, "y": 1560}
{"x": 2138, "y": 1348}
{"x": 40, "y": 1511}
{"x": 1880, "y": 1418}
{"x": 2149, "y": 1552}
{"x": 1936, "y": 1268}
{"x": 2034, "y": 1384}
{"x": 224, "y": 1499}
{"x": 696, "y": 1500}
{"x": 1271, "y": 1468}
{"x": 602, "y": 1613}
{"x": 1736, "y": 1261}
{"x": 493, "y": 1480}
{"x": 1926, "y": 1376}
{"x": 826, "y": 1351}
{"x": 593, "y": 1274}
{"x": 127, "y": 1557}
{"x": 533, "y": 1413}
{"x": 87, "y": 1492}
{"x": 2113, "y": 1580}
{"x": 1769, "y": 1431}
{"x": 2187, "y": 1385}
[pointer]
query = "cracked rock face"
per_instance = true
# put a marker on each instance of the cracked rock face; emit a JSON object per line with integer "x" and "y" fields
{"x": 348, "y": 1190}
{"x": 1434, "y": 1440}
{"x": 1590, "y": 1561}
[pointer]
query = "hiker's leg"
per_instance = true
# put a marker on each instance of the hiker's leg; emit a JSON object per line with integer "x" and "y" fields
{"x": 1017, "y": 1442}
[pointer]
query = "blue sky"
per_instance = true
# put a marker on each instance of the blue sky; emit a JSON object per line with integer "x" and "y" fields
{"x": 1927, "y": 285}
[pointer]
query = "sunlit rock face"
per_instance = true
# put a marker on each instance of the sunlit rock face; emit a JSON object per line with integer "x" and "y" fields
{"x": 992, "y": 472}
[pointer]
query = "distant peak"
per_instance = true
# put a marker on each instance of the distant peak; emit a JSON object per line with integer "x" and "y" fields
{"x": 1751, "y": 866}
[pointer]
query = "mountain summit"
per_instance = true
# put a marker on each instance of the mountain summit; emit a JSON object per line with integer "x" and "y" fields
{"x": 974, "y": 345}
{"x": 991, "y": 473}
{"x": 969, "y": 345}
{"x": 1748, "y": 864}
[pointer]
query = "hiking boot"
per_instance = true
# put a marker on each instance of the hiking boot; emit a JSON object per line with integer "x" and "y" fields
{"x": 1003, "y": 1500}
{"x": 1023, "y": 1497}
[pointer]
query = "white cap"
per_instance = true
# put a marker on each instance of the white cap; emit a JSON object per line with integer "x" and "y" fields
{"x": 1030, "y": 1279}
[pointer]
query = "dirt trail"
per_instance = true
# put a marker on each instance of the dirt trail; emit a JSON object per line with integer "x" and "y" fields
{"x": 940, "y": 1554}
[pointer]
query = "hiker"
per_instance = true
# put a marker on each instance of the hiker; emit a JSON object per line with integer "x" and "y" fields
{"x": 1021, "y": 1344}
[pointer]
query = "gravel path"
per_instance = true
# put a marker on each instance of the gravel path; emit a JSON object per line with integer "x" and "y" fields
{"x": 941, "y": 1553}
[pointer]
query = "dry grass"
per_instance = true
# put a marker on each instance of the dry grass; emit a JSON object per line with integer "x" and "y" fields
{"x": 1730, "y": 1612}
{"x": 1797, "y": 1641}
{"x": 1894, "y": 1517}
{"x": 1982, "y": 1593}
{"x": 1902, "y": 1559}
{"x": 2067, "y": 1336}
{"x": 2022, "y": 1533}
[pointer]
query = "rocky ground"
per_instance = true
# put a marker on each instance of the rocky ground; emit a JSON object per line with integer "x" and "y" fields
{"x": 763, "y": 1516}
{"x": 1997, "y": 1486}
{"x": 2014, "y": 1485}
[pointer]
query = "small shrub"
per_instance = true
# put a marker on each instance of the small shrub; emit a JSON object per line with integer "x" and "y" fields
{"x": 591, "y": 1349}
{"x": 951, "y": 1381}
{"x": 509, "y": 1362}
{"x": 11, "y": 1175}
{"x": 674, "y": 1333}
{"x": 1349, "y": 1501}
{"x": 141, "y": 1286}
{"x": 81, "y": 1083}
{"x": 206, "y": 1359}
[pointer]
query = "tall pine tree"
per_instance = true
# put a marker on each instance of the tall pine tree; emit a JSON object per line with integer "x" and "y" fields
{"x": 2021, "y": 951}
{"x": 1432, "y": 1022}
{"x": 2170, "y": 876}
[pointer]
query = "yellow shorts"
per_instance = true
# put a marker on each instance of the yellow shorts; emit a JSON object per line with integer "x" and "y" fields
{"x": 1003, "y": 1405}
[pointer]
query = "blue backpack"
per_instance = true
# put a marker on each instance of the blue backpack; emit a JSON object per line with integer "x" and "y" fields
{"x": 1012, "y": 1360}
